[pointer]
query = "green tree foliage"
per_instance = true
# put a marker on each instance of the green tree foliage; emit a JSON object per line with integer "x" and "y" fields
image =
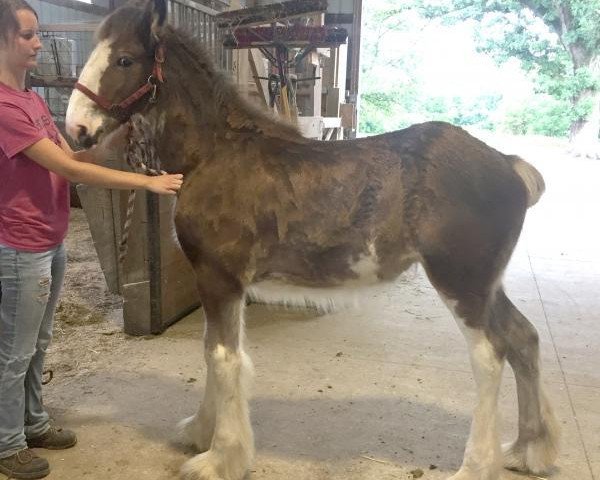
{"x": 543, "y": 115}
{"x": 393, "y": 94}
{"x": 557, "y": 41}
{"x": 388, "y": 84}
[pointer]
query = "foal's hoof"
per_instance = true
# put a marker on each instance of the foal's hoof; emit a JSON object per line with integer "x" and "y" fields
{"x": 216, "y": 465}
{"x": 202, "y": 467}
{"x": 535, "y": 457}
{"x": 489, "y": 473}
{"x": 192, "y": 434}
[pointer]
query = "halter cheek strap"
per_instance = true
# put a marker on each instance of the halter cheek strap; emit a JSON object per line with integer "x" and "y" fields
{"x": 121, "y": 110}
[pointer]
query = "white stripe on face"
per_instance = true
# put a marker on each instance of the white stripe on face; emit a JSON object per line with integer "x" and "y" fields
{"x": 81, "y": 111}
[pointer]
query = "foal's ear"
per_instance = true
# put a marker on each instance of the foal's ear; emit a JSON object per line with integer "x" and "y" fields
{"x": 157, "y": 11}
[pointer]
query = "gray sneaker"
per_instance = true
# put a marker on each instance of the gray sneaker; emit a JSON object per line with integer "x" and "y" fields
{"x": 24, "y": 464}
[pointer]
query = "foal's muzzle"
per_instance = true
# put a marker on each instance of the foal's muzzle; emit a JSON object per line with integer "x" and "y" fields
{"x": 85, "y": 139}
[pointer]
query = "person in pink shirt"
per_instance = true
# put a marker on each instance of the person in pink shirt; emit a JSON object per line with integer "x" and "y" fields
{"x": 36, "y": 166}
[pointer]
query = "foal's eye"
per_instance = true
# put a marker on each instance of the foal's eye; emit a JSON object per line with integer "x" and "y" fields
{"x": 124, "y": 62}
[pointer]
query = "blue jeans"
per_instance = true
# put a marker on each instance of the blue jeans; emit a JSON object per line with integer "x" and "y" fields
{"x": 30, "y": 284}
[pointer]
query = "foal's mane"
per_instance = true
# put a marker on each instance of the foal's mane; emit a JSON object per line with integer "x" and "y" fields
{"x": 219, "y": 90}
{"x": 192, "y": 75}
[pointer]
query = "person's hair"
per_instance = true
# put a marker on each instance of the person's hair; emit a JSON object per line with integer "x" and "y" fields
{"x": 8, "y": 17}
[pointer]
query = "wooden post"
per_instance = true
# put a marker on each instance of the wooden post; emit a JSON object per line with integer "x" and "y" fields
{"x": 259, "y": 87}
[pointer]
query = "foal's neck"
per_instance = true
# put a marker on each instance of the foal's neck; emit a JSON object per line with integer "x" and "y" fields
{"x": 204, "y": 110}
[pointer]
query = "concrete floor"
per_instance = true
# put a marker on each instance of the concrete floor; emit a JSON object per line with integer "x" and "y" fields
{"x": 372, "y": 393}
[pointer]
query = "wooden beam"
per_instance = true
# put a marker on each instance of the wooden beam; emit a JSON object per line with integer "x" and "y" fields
{"x": 270, "y": 13}
{"x": 217, "y": 5}
{"x": 69, "y": 27}
{"x": 259, "y": 87}
{"x": 293, "y": 36}
{"x": 197, "y": 6}
{"x": 339, "y": 18}
{"x": 54, "y": 82}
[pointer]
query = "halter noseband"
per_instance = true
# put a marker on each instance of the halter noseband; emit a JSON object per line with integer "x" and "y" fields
{"x": 121, "y": 110}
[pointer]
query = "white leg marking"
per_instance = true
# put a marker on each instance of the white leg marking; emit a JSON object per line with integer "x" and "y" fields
{"x": 222, "y": 424}
{"x": 232, "y": 446}
{"x": 198, "y": 429}
{"x": 483, "y": 458}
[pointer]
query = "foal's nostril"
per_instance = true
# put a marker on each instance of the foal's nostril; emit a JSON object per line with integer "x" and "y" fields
{"x": 86, "y": 141}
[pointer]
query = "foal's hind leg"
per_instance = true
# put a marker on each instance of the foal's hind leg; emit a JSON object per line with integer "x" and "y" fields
{"x": 482, "y": 458}
{"x": 225, "y": 410}
{"x": 536, "y": 447}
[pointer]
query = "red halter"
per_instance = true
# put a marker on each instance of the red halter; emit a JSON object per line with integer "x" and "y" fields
{"x": 121, "y": 111}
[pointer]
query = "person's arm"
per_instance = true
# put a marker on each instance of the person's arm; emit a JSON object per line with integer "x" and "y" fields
{"x": 93, "y": 155}
{"x": 65, "y": 146}
{"x": 52, "y": 157}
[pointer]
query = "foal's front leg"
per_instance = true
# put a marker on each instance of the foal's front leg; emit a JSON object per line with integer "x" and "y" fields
{"x": 225, "y": 409}
{"x": 198, "y": 429}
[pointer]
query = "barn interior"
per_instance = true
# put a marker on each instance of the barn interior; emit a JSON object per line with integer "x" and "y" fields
{"x": 381, "y": 391}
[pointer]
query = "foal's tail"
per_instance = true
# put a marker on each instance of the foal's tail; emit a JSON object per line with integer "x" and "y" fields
{"x": 532, "y": 179}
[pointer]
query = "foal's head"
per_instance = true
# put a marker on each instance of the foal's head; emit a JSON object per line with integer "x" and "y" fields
{"x": 121, "y": 65}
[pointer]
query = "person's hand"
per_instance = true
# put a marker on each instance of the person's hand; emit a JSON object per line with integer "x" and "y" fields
{"x": 165, "y": 184}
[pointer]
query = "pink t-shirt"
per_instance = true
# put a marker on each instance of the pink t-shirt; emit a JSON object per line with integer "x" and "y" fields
{"x": 34, "y": 202}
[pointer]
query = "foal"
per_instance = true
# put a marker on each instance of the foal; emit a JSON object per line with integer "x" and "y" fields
{"x": 266, "y": 211}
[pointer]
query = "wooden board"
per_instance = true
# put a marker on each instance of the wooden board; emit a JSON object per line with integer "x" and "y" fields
{"x": 270, "y": 13}
{"x": 179, "y": 293}
{"x": 136, "y": 308}
{"x": 348, "y": 114}
{"x": 97, "y": 205}
{"x": 149, "y": 304}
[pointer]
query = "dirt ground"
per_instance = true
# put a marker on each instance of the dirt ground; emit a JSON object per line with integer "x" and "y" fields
{"x": 362, "y": 395}
{"x": 88, "y": 320}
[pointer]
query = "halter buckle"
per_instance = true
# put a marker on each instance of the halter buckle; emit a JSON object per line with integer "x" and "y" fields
{"x": 154, "y": 84}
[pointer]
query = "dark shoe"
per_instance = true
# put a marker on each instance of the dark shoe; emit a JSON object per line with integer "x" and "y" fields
{"x": 54, "y": 439}
{"x": 24, "y": 464}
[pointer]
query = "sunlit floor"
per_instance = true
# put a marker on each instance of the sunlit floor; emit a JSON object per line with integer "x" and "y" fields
{"x": 381, "y": 392}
